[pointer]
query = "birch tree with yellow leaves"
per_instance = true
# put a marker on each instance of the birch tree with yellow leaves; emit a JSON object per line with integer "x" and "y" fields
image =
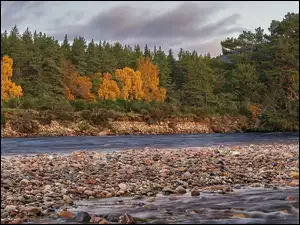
{"x": 108, "y": 88}
{"x": 131, "y": 84}
{"x": 8, "y": 88}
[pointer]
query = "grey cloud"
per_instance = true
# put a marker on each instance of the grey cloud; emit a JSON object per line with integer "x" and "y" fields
{"x": 15, "y": 12}
{"x": 187, "y": 22}
{"x": 190, "y": 22}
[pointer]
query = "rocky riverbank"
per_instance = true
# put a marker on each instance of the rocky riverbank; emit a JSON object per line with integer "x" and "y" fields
{"x": 39, "y": 186}
{"x": 33, "y": 124}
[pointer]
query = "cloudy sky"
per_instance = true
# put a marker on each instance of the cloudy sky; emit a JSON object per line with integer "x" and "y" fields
{"x": 188, "y": 25}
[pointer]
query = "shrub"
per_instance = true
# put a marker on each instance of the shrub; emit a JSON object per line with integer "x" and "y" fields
{"x": 78, "y": 104}
{"x": 100, "y": 117}
{"x": 137, "y": 106}
{"x": 13, "y": 103}
{"x": 86, "y": 115}
{"x": 84, "y": 126}
{"x": 3, "y": 120}
{"x": 27, "y": 103}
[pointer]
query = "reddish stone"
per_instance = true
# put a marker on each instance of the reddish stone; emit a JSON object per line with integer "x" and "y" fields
{"x": 92, "y": 181}
{"x": 16, "y": 221}
{"x": 66, "y": 214}
{"x": 291, "y": 198}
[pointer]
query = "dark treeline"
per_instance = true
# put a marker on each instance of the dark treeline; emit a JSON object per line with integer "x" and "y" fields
{"x": 257, "y": 75}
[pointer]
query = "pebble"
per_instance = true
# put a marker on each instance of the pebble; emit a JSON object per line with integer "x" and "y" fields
{"x": 66, "y": 214}
{"x": 150, "y": 200}
{"x": 24, "y": 182}
{"x": 68, "y": 199}
{"x": 82, "y": 217}
{"x": 239, "y": 215}
{"x": 89, "y": 193}
{"x": 33, "y": 210}
{"x": 123, "y": 187}
{"x": 173, "y": 198}
{"x": 167, "y": 191}
{"x": 96, "y": 219}
{"x": 195, "y": 193}
{"x": 9, "y": 208}
{"x": 127, "y": 219}
{"x": 294, "y": 175}
{"x": 180, "y": 190}
{"x": 294, "y": 183}
{"x": 291, "y": 198}
{"x": 16, "y": 221}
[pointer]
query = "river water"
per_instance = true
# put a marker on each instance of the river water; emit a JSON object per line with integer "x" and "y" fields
{"x": 243, "y": 206}
{"x": 14, "y": 146}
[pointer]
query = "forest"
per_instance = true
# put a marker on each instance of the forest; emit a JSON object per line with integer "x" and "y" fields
{"x": 257, "y": 75}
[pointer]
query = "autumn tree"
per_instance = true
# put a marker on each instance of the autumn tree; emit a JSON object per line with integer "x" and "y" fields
{"x": 76, "y": 86}
{"x": 8, "y": 88}
{"x": 131, "y": 83}
{"x": 150, "y": 79}
{"x": 108, "y": 88}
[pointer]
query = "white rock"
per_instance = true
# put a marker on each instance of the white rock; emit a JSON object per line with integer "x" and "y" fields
{"x": 235, "y": 153}
{"x": 9, "y": 208}
{"x": 122, "y": 187}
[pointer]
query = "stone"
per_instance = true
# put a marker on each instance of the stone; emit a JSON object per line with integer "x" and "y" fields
{"x": 237, "y": 186}
{"x": 195, "y": 193}
{"x": 173, "y": 198}
{"x": 167, "y": 191}
{"x": 122, "y": 187}
{"x": 180, "y": 190}
{"x": 126, "y": 219}
{"x": 150, "y": 199}
{"x": 33, "y": 210}
{"x": 291, "y": 198}
{"x": 186, "y": 175}
{"x": 294, "y": 183}
{"x": 24, "y": 182}
{"x": 47, "y": 188}
{"x": 66, "y": 214}
{"x": 104, "y": 222}
{"x": 67, "y": 199}
{"x": 96, "y": 219}
{"x": 82, "y": 217}
{"x": 9, "y": 208}
{"x": 294, "y": 175}
{"x": 256, "y": 185}
{"x": 16, "y": 221}
{"x": 235, "y": 153}
{"x": 89, "y": 193}
{"x": 239, "y": 215}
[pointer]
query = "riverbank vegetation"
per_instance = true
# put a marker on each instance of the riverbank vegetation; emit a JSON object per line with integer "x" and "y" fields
{"x": 256, "y": 76}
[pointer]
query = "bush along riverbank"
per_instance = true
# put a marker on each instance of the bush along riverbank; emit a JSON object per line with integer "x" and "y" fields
{"x": 22, "y": 123}
{"x": 43, "y": 186}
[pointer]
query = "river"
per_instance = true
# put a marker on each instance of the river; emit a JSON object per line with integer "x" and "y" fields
{"x": 38, "y": 145}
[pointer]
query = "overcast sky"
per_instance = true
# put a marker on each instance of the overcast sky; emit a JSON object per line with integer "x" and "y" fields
{"x": 195, "y": 25}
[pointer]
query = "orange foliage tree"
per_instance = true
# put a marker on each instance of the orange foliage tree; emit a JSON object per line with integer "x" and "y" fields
{"x": 69, "y": 95}
{"x": 255, "y": 110}
{"x": 131, "y": 83}
{"x": 8, "y": 88}
{"x": 150, "y": 79}
{"x": 108, "y": 88}
{"x": 76, "y": 85}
